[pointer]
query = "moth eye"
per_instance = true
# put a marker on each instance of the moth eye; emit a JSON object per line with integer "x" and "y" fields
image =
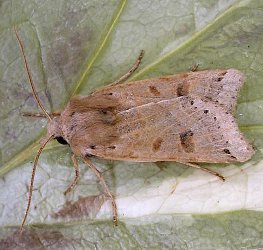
{"x": 61, "y": 140}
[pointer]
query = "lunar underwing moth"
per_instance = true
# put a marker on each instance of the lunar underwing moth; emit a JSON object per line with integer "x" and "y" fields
{"x": 186, "y": 118}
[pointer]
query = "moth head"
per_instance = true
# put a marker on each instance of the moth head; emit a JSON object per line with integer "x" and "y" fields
{"x": 54, "y": 130}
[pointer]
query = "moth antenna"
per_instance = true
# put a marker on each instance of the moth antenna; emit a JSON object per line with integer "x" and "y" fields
{"x": 32, "y": 84}
{"x": 32, "y": 179}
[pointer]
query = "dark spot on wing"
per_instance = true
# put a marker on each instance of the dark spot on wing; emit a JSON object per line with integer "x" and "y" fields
{"x": 157, "y": 144}
{"x": 108, "y": 116}
{"x": 206, "y": 111}
{"x": 227, "y": 151}
{"x": 154, "y": 90}
{"x": 72, "y": 127}
{"x": 182, "y": 89}
{"x": 187, "y": 143}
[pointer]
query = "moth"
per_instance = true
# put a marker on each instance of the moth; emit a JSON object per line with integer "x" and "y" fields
{"x": 186, "y": 118}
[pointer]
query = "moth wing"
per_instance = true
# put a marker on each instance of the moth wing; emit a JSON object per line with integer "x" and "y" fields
{"x": 184, "y": 129}
{"x": 218, "y": 86}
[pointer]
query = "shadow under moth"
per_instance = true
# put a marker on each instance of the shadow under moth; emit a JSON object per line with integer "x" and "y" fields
{"x": 186, "y": 118}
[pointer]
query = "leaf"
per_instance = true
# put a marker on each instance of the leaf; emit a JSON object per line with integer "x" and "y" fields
{"x": 74, "y": 47}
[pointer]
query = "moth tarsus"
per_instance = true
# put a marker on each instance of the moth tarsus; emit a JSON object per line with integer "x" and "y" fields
{"x": 76, "y": 179}
{"x": 105, "y": 187}
{"x": 194, "y": 67}
{"x": 130, "y": 72}
{"x": 183, "y": 118}
{"x": 133, "y": 68}
{"x": 207, "y": 170}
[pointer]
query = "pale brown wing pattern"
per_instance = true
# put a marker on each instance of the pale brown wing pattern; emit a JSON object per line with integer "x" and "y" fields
{"x": 218, "y": 86}
{"x": 185, "y": 129}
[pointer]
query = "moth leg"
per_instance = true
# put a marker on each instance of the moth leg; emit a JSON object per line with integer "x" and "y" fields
{"x": 205, "y": 169}
{"x": 40, "y": 114}
{"x": 75, "y": 181}
{"x": 194, "y": 67}
{"x": 133, "y": 68}
{"x": 105, "y": 187}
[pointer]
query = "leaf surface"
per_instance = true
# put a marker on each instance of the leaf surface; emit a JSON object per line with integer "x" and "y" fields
{"x": 74, "y": 47}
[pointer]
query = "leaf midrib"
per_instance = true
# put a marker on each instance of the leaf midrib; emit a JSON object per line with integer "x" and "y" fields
{"x": 99, "y": 49}
{"x": 210, "y": 27}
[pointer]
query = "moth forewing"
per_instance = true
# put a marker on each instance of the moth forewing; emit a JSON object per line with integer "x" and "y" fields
{"x": 218, "y": 86}
{"x": 183, "y": 129}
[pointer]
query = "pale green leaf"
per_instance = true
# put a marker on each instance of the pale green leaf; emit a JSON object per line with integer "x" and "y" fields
{"x": 74, "y": 47}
